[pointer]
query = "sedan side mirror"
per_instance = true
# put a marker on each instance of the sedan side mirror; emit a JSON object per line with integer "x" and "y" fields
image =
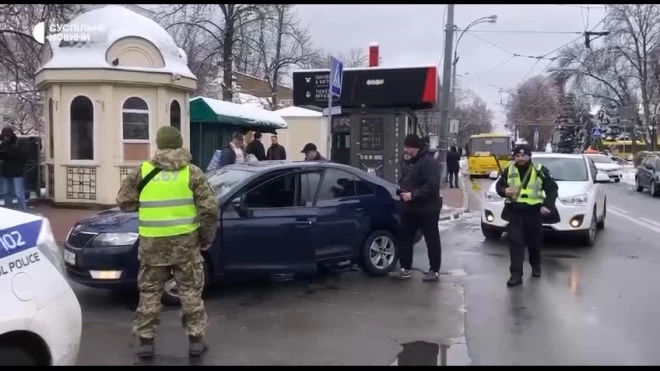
{"x": 236, "y": 204}
{"x": 602, "y": 178}
{"x": 493, "y": 175}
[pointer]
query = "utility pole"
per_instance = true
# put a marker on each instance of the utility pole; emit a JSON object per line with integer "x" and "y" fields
{"x": 443, "y": 133}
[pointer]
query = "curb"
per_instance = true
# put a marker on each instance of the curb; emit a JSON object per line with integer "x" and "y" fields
{"x": 463, "y": 209}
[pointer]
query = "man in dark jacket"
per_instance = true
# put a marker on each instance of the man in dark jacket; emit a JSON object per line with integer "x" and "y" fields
{"x": 13, "y": 157}
{"x": 312, "y": 153}
{"x": 256, "y": 148}
{"x": 453, "y": 166}
{"x": 524, "y": 184}
{"x": 420, "y": 194}
{"x": 276, "y": 151}
{"x": 234, "y": 151}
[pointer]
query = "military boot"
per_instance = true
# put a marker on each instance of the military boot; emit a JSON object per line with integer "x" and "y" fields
{"x": 146, "y": 348}
{"x": 197, "y": 346}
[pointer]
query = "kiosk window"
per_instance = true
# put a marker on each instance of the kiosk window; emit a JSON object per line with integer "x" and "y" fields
{"x": 371, "y": 134}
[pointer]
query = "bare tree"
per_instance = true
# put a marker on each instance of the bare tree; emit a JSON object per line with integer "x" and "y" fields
{"x": 20, "y": 57}
{"x": 283, "y": 42}
{"x": 354, "y": 58}
{"x": 473, "y": 115}
{"x": 603, "y": 74}
{"x": 533, "y": 106}
{"x": 635, "y": 35}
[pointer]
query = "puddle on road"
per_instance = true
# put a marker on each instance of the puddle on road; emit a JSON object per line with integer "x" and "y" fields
{"x": 422, "y": 353}
{"x": 455, "y": 272}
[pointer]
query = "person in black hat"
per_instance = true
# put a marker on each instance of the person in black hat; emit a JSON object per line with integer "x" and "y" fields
{"x": 530, "y": 193}
{"x": 311, "y": 153}
{"x": 420, "y": 194}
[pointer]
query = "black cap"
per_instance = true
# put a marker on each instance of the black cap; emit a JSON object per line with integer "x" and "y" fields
{"x": 309, "y": 147}
{"x": 522, "y": 149}
{"x": 413, "y": 141}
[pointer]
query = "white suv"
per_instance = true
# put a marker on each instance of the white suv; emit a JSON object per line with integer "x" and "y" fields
{"x": 40, "y": 317}
{"x": 582, "y": 202}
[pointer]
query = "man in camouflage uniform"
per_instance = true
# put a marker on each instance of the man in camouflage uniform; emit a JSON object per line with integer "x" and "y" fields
{"x": 177, "y": 255}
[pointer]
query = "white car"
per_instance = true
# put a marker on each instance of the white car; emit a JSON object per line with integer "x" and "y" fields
{"x": 608, "y": 166}
{"x": 40, "y": 317}
{"x": 582, "y": 201}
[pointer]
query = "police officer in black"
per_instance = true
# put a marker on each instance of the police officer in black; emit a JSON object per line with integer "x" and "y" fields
{"x": 530, "y": 194}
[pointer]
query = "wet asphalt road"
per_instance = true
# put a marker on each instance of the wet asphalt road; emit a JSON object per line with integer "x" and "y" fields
{"x": 593, "y": 306}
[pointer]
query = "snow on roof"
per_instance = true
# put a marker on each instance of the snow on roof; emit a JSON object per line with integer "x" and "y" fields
{"x": 104, "y": 26}
{"x": 298, "y": 112}
{"x": 244, "y": 112}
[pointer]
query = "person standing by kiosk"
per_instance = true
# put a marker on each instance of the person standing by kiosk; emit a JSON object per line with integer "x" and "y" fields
{"x": 523, "y": 184}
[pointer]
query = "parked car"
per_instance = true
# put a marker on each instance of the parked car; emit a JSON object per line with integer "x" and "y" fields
{"x": 40, "y": 317}
{"x": 648, "y": 175}
{"x": 582, "y": 201}
{"x": 276, "y": 218}
{"x": 605, "y": 164}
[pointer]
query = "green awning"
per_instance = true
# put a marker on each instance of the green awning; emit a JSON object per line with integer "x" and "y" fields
{"x": 213, "y": 111}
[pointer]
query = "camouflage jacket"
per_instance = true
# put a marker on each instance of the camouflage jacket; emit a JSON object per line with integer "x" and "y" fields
{"x": 177, "y": 249}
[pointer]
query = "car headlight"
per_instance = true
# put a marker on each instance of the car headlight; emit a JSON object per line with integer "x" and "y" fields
{"x": 49, "y": 248}
{"x": 579, "y": 200}
{"x": 114, "y": 239}
{"x": 493, "y": 197}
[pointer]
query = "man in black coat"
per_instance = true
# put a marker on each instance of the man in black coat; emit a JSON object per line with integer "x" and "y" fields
{"x": 256, "y": 148}
{"x": 420, "y": 195}
{"x": 13, "y": 157}
{"x": 276, "y": 151}
{"x": 453, "y": 166}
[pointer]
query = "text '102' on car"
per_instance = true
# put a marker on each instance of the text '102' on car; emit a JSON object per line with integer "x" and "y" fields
{"x": 277, "y": 218}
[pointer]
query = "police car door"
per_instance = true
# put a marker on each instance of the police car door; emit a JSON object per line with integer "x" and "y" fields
{"x": 31, "y": 271}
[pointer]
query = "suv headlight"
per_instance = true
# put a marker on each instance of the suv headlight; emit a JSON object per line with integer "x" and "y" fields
{"x": 114, "y": 239}
{"x": 579, "y": 200}
{"x": 48, "y": 247}
{"x": 493, "y": 197}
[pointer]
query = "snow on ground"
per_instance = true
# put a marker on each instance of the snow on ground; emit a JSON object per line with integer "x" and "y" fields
{"x": 629, "y": 175}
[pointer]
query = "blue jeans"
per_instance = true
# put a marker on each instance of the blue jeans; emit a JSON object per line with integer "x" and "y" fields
{"x": 14, "y": 187}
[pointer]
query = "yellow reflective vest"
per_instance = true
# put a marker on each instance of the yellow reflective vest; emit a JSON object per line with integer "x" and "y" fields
{"x": 167, "y": 206}
{"x": 533, "y": 194}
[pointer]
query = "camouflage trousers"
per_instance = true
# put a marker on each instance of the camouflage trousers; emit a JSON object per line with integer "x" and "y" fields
{"x": 189, "y": 278}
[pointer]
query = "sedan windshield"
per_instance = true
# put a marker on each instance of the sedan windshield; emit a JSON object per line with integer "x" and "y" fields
{"x": 565, "y": 169}
{"x": 601, "y": 159}
{"x": 225, "y": 179}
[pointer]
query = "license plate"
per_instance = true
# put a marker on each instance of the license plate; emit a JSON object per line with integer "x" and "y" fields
{"x": 69, "y": 257}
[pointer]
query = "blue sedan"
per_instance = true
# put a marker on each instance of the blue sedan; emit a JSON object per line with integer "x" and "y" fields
{"x": 277, "y": 218}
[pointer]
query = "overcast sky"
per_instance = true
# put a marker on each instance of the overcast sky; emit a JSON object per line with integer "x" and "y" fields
{"x": 413, "y": 34}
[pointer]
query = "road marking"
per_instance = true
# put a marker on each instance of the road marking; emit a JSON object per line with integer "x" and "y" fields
{"x": 652, "y": 222}
{"x": 639, "y": 222}
{"x": 622, "y": 211}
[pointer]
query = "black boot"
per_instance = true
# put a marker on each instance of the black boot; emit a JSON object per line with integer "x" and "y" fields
{"x": 536, "y": 271}
{"x": 197, "y": 346}
{"x": 515, "y": 280}
{"x": 146, "y": 348}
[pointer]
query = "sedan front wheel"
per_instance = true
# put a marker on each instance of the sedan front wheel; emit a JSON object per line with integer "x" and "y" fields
{"x": 379, "y": 253}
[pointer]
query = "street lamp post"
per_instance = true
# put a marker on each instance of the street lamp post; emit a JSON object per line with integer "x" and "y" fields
{"x": 489, "y": 19}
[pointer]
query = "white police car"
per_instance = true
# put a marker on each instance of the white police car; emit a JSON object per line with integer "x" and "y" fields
{"x": 40, "y": 317}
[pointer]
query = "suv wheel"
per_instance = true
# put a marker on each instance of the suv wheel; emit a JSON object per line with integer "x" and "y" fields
{"x": 379, "y": 253}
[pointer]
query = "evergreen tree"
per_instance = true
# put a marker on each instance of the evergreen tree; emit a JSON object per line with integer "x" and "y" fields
{"x": 566, "y": 123}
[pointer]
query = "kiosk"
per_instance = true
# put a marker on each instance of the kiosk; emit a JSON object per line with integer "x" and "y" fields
{"x": 377, "y": 111}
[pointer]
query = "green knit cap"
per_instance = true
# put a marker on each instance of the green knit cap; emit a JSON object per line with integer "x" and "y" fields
{"x": 168, "y": 138}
